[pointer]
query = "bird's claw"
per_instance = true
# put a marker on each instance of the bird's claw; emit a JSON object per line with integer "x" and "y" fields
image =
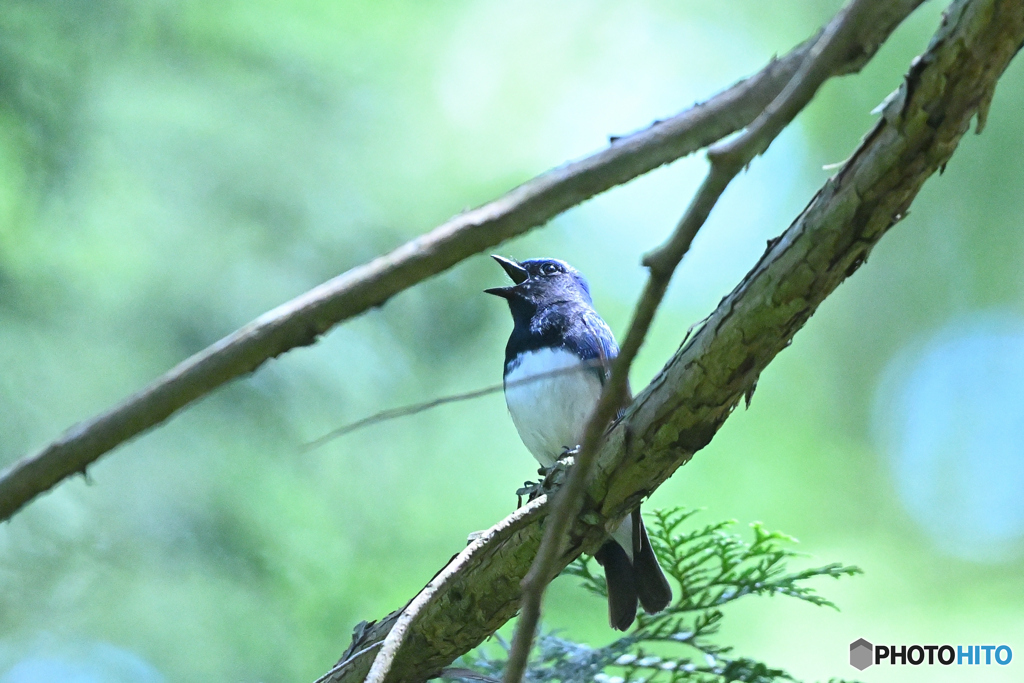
{"x": 530, "y": 489}
{"x": 554, "y": 476}
{"x": 546, "y": 486}
{"x": 551, "y": 477}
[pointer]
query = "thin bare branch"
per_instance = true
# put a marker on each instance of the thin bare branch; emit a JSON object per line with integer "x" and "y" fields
{"x": 301, "y": 321}
{"x": 823, "y": 61}
{"x": 684, "y": 406}
{"x": 415, "y": 408}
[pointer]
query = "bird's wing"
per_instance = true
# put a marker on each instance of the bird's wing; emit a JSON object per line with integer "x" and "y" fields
{"x": 593, "y": 339}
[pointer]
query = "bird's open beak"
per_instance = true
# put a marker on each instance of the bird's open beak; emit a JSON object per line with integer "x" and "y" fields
{"x": 514, "y": 270}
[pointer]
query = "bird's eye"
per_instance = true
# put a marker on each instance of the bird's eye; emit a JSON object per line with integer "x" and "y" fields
{"x": 549, "y": 269}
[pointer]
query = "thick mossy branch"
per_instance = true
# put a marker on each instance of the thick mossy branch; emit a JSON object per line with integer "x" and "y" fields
{"x": 682, "y": 408}
{"x": 680, "y": 411}
{"x": 712, "y": 567}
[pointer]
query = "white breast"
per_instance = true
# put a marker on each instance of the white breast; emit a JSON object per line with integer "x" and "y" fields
{"x": 550, "y": 413}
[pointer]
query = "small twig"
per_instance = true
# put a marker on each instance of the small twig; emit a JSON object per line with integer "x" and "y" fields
{"x": 726, "y": 162}
{"x": 395, "y": 638}
{"x": 405, "y": 411}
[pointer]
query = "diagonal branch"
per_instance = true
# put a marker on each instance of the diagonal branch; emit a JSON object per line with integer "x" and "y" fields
{"x": 822, "y": 61}
{"x": 300, "y": 321}
{"x": 683, "y": 407}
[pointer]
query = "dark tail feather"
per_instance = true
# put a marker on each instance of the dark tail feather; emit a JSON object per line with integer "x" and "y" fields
{"x": 651, "y": 585}
{"x": 621, "y": 581}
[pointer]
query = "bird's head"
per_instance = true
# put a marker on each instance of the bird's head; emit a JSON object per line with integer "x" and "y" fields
{"x": 541, "y": 282}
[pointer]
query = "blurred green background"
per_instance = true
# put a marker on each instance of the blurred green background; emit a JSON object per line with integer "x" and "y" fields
{"x": 169, "y": 171}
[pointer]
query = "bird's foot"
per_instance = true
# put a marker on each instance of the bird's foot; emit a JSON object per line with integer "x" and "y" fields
{"x": 530, "y": 489}
{"x": 552, "y": 477}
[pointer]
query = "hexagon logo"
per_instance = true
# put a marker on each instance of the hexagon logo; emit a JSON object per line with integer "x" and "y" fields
{"x": 861, "y": 654}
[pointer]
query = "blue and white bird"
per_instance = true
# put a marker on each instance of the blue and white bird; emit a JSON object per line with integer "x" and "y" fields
{"x": 555, "y": 330}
